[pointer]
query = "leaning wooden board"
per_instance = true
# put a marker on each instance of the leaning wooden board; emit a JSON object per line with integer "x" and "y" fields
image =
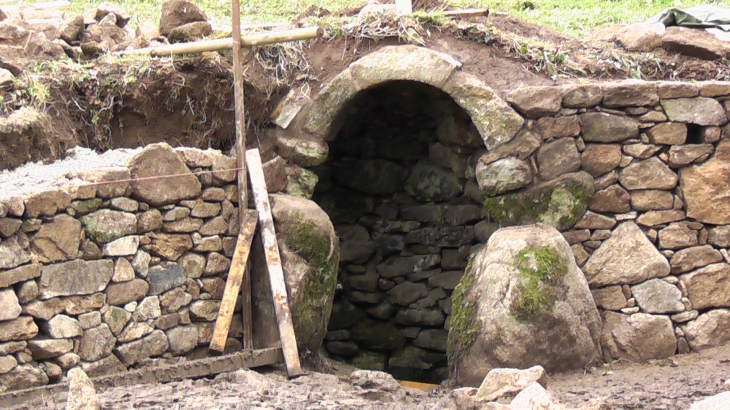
{"x": 273, "y": 263}
{"x": 234, "y": 280}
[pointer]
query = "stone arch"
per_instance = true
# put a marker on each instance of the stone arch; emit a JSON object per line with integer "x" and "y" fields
{"x": 438, "y": 225}
{"x": 496, "y": 121}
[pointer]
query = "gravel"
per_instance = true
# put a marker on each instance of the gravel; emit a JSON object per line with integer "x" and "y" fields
{"x": 38, "y": 177}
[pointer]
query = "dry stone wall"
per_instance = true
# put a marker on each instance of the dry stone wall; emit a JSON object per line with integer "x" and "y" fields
{"x": 107, "y": 276}
{"x": 653, "y": 239}
{"x": 634, "y": 174}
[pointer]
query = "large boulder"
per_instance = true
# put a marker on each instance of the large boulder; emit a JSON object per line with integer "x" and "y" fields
{"x": 310, "y": 257}
{"x": 522, "y": 302}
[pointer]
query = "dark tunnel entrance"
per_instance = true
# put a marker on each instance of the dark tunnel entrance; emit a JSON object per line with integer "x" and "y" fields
{"x": 400, "y": 189}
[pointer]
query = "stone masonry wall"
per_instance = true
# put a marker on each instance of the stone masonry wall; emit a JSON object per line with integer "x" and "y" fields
{"x": 633, "y": 173}
{"x": 108, "y": 276}
{"x": 653, "y": 240}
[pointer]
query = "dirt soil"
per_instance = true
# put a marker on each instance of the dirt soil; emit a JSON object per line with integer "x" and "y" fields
{"x": 669, "y": 384}
{"x": 125, "y": 103}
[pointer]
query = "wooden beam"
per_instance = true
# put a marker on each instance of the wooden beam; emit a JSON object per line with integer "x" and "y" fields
{"x": 273, "y": 263}
{"x": 186, "y": 369}
{"x": 403, "y": 7}
{"x": 466, "y": 13}
{"x": 240, "y": 120}
{"x": 249, "y": 40}
{"x": 233, "y": 283}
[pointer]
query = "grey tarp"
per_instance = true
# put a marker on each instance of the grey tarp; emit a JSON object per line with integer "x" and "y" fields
{"x": 714, "y": 19}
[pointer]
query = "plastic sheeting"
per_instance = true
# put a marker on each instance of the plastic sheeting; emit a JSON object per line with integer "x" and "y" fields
{"x": 714, "y": 19}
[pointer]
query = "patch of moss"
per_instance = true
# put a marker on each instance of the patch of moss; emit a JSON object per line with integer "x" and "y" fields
{"x": 560, "y": 206}
{"x": 540, "y": 271}
{"x": 313, "y": 306}
{"x": 86, "y": 207}
{"x": 462, "y": 330}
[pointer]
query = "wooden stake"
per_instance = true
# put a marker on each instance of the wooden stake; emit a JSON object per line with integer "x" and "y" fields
{"x": 273, "y": 262}
{"x": 240, "y": 120}
{"x": 233, "y": 283}
{"x": 249, "y": 40}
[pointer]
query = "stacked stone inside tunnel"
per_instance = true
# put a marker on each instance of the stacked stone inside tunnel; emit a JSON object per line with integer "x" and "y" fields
{"x": 399, "y": 187}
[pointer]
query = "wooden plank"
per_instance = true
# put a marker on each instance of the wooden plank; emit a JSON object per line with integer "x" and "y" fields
{"x": 233, "y": 283}
{"x": 467, "y": 13}
{"x": 403, "y": 7}
{"x": 273, "y": 263}
{"x": 186, "y": 369}
{"x": 249, "y": 40}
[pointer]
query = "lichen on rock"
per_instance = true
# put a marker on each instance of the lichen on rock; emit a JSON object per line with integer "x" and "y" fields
{"x": 559, "y": 203}
{"x": 310, "y": 255}
{"x": 540, "y": 271}
{"x": 522, "y": 302}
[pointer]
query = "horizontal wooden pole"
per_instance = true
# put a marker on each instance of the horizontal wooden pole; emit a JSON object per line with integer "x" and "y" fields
{"x": 248, "y": 40}
{"x": 467, "y": 13}
{"x": 244, "y": 27}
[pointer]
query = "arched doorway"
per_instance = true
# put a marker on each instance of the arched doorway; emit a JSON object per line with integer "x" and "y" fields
{"x": 399, "y": 187}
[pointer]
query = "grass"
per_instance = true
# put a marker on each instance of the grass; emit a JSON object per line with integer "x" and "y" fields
{"x": 571, "y": 16}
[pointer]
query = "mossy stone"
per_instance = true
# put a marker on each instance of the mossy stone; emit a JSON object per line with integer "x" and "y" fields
{"x": 430, "y": 183}
{"x": 301, "y": 182}
{"x": 379, "y": 337}
{"x": 559, "y": 203}
{"x": 306, "y": 232}
{"x": 462, "y": 329}
{"x": 540, "y": 271}
{"x": 313, "y": 303}
{"x": 370, "y": 361}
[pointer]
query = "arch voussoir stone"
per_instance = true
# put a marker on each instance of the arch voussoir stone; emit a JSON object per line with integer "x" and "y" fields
{"x": 404, "y": 63}
{"x": 495, "y": 120}
{"x": 328, "y": 102}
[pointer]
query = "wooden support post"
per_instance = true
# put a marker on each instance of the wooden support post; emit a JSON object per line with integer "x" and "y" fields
{"x": 240, "y": 120}
{"x": 403, "y": 7}
{"x": 273, "y": 263}
{"x": 233, "y": 283}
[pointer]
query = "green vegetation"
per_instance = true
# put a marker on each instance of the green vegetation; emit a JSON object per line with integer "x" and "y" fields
{"x": 573, "y": 16}
{"x": 540, "y": 271}
{"x": 462, "y": 330}
{"x": 560, "y": 205}
{"x": 314, "y": 302}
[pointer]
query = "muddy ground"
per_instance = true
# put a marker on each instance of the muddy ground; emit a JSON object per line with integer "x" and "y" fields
{"x": 669, "y": 384}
